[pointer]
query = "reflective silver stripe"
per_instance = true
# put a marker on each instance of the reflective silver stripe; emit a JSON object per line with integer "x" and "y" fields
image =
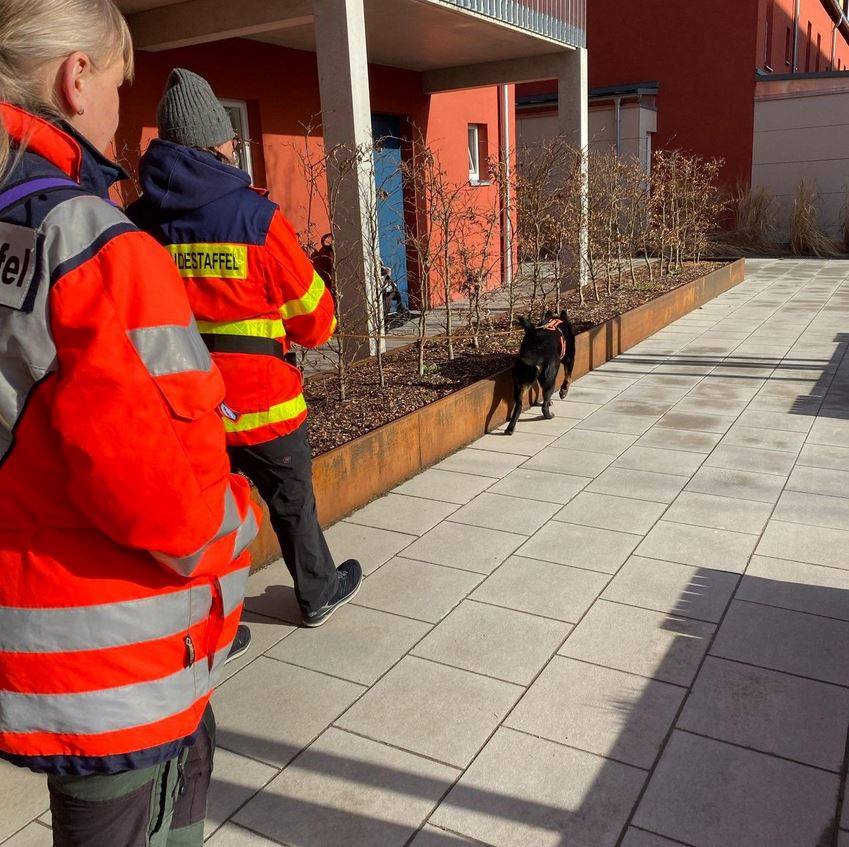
{"x": 218, "y": 665}
{"x": 103, "y": 626}
{"x": 185, "y": 565}
{"x": 233, "y": 587}
{"x": 171, "y": 349}
{"x": 27, "y": 351}
{"x": 247, "y": 532}
{"x": 107, "y": 710}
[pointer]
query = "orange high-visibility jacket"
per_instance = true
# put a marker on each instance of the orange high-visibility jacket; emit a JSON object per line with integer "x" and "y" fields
{"x": 251, "y": 287}
{"x": 122, "y": 533}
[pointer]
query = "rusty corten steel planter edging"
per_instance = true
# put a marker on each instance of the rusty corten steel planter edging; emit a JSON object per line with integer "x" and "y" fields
{"x": 352, "y": 475}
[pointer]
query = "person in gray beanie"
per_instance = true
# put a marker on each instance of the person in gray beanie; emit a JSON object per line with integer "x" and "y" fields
{"x": 190, "y": 114}
{"x": 254, "y": 293}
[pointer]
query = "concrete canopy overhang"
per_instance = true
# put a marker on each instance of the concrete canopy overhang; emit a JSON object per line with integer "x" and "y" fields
{"x": 418, "y": 35}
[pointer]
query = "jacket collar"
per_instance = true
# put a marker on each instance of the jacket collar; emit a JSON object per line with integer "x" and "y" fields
{"x": 63, "y": 147}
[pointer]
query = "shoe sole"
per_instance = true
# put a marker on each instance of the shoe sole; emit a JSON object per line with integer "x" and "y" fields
{"x": 326, "y": 618}
{"x": 236, "y": 655}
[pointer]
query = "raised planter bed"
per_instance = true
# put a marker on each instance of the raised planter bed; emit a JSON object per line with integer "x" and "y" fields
{"x": 350, "y": 476}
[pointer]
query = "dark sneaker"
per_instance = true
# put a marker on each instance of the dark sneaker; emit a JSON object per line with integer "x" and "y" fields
{"x": 240, "y": 643}
{"x": 350, "y": 580}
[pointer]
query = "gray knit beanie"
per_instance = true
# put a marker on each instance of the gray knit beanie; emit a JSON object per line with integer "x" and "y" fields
{"x": 189, "y": 112}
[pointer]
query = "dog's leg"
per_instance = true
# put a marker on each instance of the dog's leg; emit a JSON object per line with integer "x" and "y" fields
{"x": 567, "y": 378}
{"x": 547, "y": 382}
{"x": 518, "y": 390}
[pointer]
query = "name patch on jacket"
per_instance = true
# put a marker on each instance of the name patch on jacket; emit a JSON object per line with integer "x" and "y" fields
{"x": 17, "y": 264}
{"x": 223, "y": 261}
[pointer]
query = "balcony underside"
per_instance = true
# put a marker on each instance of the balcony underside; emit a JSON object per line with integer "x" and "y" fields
{"x": 418, "y": 35}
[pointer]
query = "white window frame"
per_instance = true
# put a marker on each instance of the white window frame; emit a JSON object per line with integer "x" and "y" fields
{"x": 474, "y": 153}
{"x": 242, "y": 127}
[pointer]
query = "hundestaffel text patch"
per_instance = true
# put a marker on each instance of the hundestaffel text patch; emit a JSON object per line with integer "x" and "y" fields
{"x": 17, "y": 264}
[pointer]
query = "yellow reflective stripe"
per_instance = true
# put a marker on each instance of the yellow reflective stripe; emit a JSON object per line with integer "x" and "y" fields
{"x": 306, "y": 304}
{"x": 257, "y": 327}
{"x": 281, "y": 412}
{"x": 333, "y": 325}
{"x": 218, "y": 261}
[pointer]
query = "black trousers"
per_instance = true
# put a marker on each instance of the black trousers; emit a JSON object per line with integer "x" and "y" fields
{"x": 281, "y": 470}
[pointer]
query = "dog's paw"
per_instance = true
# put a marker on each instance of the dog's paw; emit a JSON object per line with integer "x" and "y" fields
{"x": 547, "y": 414}
{"x": 563, "y": 393}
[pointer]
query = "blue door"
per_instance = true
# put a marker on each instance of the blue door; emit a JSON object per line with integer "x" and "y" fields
{"x": 390, "y": 198}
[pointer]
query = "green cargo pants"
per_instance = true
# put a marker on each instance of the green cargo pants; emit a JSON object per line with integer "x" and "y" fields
{"x": 160, "y": 806}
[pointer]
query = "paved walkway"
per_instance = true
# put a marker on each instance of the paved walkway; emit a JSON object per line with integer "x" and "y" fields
{"x": 626, "y": 626}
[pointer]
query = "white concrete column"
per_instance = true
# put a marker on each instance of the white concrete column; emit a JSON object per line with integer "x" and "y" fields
{"x": 346, "y": 120}
{"x": 573, "y": 124}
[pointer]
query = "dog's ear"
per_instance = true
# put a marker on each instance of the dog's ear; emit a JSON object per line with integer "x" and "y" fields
{"x": 564, "y": 316}
{"x": 547, "y": 316}
{"x": 524, "y": 323}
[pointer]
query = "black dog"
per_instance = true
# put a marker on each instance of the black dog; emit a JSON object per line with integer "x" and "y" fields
{"x": 543, "y": 348}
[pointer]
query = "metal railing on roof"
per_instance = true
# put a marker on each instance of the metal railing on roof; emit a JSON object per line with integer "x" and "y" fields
{"x": 559, "y": 20}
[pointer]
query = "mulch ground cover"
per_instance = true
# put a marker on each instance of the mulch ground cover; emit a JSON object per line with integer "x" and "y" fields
{"x": 368, "y": 406}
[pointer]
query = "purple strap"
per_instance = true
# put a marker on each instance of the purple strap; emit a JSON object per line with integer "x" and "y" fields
{"x": 20, "y": 192}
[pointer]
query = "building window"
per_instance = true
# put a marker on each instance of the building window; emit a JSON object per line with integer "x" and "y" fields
{"x": 478, "y": 153}
{"x": 238, "y": 112}
{"x": 770, "y": 18}
{"x": 788, "y": 47}
{"x": 819, "y": 51}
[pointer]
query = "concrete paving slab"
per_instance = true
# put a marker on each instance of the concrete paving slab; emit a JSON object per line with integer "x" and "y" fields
{"x": 572, "y": 462}
{"x": 681, "y": 590}
{"x": 639, "y": 641}
{"x": 760, "y": 419}
{"x": 540, "y": 485}
{"x": 749, "y": 459}
{"x": 236, "y": 836}
{"x": 444, "y": 486}
{"x": 271, "y": 594}
{"x": 792, "y": 642}
{"x": 819, "y": 480}
{"x": 706, "y": 793}
{"x": 432, "y": 836}
{"x": 400, "y": 513}
{"x": 434, "y": 710}
{"x": 510, "y": 514}
{"x": 417, "y": 590}
{"x": 677, "y": 462}
{"x": 608, "y": 712}
{"x": 724, "y": 482}
{"x": 494, "y": 641}
{"x": 698, "y": 545}
{"x": 369, "y": 545}
{"x": 813, "y": 509}
{"x": 32, "y": 835}
{"x": 295, "y": 704}
{"x": 587, "y": 439}
{"x": 580, "y": 546}
{"x": 360, "y": 647}
{"x": 801, "y": 543}
{"x": 481, "y": 462}
{"x": 617, "y": 422}
{"x": 265, "y": 633}
{"x": 712, "y": 510}
{"x": 796, "y": 585}
{"x": 347, "y": 791}
{"x": 829, "y": 431}
{"x": 532, "y": 422}
{"x": 638, "y": 485}
{"x": 541, "y": 588}
{"x": 769, "y": 711}
{"x": 469, "y": 548}
{"x": 235, "y": 779}
{"x": 697, "y": 421}
{"x": 640, "y": 838}
{"x": 521, "y": 443}
{"x": 680, "y": 439}
{"x": 515, "y": 795}
{"x": 606, "y": 511}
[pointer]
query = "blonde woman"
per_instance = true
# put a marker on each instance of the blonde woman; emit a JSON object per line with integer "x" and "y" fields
{"x": 121, "y": 530}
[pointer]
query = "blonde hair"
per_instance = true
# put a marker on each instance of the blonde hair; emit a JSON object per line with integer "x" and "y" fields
{"x": 35, "y": 33}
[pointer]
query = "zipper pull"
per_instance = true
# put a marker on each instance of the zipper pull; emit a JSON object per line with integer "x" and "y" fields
{"x": 190, "y": 651}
